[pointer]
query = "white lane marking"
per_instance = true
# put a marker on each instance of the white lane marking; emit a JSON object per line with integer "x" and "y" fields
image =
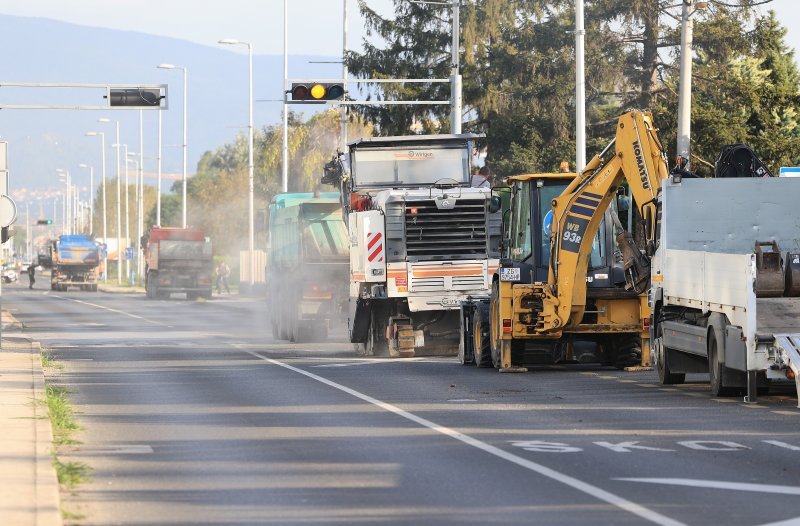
{"x": 782, "y": 444}
{"x": 112, "y": 310}
{"x": 719, "y": 484}
{"x": 579, "y": 485}
{"x": 455, "y": 400}
{"x": 787, "y": 522}
{"x": 376, "y": 361}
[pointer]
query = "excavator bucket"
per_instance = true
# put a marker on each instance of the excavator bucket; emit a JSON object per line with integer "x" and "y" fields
{"x": 770, "y": 279}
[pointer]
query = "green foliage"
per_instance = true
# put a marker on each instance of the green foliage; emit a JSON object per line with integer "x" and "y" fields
{"x": 218, "y": 194}
{"x": 518, "y": 68}
{"x": 61, "y": 416}
{"x": 743, "y": 92}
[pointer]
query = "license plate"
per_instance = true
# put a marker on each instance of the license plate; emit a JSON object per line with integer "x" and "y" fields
{"x": 509, "y": 274}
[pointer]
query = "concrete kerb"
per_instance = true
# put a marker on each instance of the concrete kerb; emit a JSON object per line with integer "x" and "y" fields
{"x": 29, "y": 490}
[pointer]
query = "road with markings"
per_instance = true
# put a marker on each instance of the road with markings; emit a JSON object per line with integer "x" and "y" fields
{"x": 192, "y": 414}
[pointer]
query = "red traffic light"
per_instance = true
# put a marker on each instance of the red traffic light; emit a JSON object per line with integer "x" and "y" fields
{"x": 316, "y": 91}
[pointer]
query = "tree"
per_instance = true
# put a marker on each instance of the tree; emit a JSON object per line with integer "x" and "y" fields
{"x": 745, "y": 90}
{"x": 518, "y": 68}
{"x": 218, "y": 194}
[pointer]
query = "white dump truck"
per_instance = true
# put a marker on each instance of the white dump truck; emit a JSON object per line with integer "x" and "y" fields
{"x": 726, "y": 283}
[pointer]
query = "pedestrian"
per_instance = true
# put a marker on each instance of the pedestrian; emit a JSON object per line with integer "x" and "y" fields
{"x": 481, "y": 179}
{"x": 31, "y": 275}
{"x": 223, "y": 273}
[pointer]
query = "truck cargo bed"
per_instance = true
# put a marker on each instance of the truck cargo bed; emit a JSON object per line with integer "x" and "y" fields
{"x": 778, "y": 315}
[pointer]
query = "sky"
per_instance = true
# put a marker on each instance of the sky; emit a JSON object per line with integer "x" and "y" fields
{"x": 315, "y": 26}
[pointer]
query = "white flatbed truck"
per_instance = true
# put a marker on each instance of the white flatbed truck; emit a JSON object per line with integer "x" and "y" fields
{"x": 721, "y": 304}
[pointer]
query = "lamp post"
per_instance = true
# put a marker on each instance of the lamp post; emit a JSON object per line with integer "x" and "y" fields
{"x": 103, "y": 162}
{"x": 119, "y": 205}
{"x": 185, "y": 75}
{"x": 67, "y": 227}
{"x": 91, "y": 196}
{"x": 689, "y": 8}
{"x": 136, "y": 168}
{"x": 139, "y": 210}
{"x": 127, "y": 212}
{"x": 158, "y": 163}
{"x": 580, "y": 89}
{"x": 250, "y": 167}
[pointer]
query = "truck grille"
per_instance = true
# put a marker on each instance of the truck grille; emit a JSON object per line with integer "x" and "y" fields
{"x": 458, "y": 233}
{"x": 440, "y": 277}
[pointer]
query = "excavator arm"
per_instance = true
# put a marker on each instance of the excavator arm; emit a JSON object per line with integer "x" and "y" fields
{"x": 639, "y": 159}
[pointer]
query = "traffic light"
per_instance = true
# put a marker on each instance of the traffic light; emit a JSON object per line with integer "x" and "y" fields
{"x": 44, "y": 222}
{"x": 317, "y": 91}
{"x": 135, "y": 97}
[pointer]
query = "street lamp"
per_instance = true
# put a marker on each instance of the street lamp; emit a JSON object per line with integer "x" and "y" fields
{"x": 127, "y": 213}
{"x": 185, "y": 75}
{"x": 139, "y": 210}
{"x": 119, "y": 205}
{"x": 91, "y": 196}
{"x": 103, "y": 161}
{"x": 67, "y": 226}
{"x": 250, "y": 168}
{"x": 689, "y": 8}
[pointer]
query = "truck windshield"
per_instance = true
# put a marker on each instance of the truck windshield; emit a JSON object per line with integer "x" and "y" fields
{"x": 410, "y": 166}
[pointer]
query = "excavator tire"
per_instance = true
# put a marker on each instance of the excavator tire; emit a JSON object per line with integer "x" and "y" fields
{"x": 626, "y": 350}
{"x": 481, "y": 333}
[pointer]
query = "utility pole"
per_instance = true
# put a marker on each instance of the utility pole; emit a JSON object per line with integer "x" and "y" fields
{"x": 685, "y": 91}
{"x": 580, "y": 89}
{"x": 456, "y": 110}
{"x": 285, "y": 148}
{"x": 343, "y": 108}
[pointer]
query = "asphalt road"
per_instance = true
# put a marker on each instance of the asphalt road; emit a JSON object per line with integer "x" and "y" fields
{"x": 192, "y": 414}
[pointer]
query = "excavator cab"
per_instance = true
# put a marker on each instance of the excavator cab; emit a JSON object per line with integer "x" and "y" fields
{"x": 528, "y": 228}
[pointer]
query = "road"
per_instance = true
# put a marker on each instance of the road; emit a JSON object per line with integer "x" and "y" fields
{"x": 192, "y": 414}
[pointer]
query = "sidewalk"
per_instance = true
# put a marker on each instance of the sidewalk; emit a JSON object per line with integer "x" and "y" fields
{"x": 29, "y": 493}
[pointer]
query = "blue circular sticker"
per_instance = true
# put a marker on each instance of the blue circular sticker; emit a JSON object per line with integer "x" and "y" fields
{"x": 547, "y": 223}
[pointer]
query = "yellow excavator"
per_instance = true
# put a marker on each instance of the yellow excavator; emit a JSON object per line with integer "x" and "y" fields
{"x": 572, "y": 282}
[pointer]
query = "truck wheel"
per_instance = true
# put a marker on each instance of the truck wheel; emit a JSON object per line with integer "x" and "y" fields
{"x": 717, "y": 369}
{"x": 665, "y": 375}
{"x": 495, "y": 336}
{"x": 93, "y": 288}
{"x": 377, "y": 344}
{"x": 626, "y": 350}
{"x": 481, "y": 333}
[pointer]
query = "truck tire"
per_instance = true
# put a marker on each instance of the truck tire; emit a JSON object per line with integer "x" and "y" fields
{"x": 377, "y": 344}
{"x": 481, "y": 334}
{"x": 626, "y": 350}
{"x": 665, "y": 375}
{"x": 716, "y": 370}
{"x": 466, "y": 345}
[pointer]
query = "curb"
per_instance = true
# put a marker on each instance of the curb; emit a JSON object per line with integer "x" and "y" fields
{"x": 47, "y": 497}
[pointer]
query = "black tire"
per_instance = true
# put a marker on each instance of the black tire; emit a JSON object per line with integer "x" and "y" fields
{"x": 626, "y": 350}
{"x": 495, "y": 334}
{"x": 377, "y": 344}
{"x": 466, "y": 346}
{"x": 716, "y": 370}
{"x": 481, "y": 333}
{"x": 93, "y": 288}
{"x": 665, "y": 375}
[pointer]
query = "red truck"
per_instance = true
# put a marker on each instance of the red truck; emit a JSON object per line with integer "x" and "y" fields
{"x": 177, "y": 260}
